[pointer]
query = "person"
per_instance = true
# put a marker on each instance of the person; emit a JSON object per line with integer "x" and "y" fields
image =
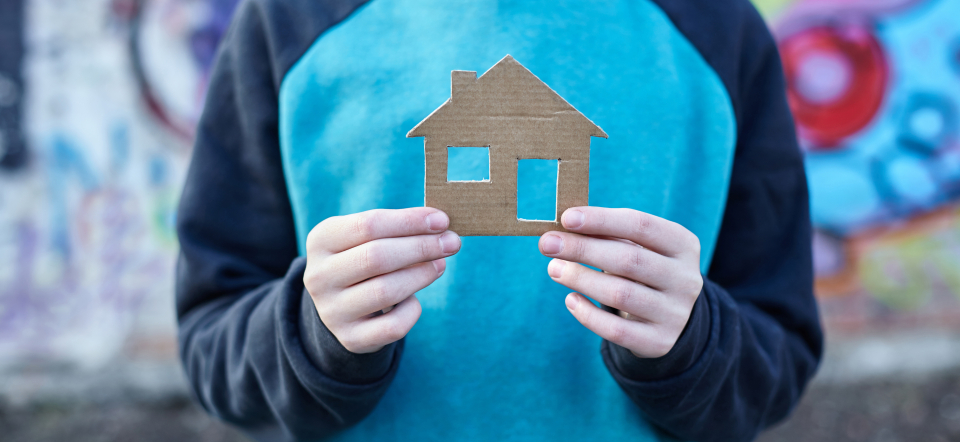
{"x": 316, "y": 299}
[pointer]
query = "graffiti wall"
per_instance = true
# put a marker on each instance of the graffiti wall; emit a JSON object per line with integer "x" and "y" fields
{"x": 97, "y": 115}
{"x": 87, "y": 201}
{"x": 875, "y": 89}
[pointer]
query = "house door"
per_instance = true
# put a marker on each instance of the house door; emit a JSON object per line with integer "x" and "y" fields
{"x": 537, "y": 190}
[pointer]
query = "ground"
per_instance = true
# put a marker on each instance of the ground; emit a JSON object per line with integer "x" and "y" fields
{"x": 881, "y": 411}
{"x": 925, "y": 410}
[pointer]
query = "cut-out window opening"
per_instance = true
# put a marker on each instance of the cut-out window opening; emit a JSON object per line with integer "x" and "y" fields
{"x": 468, "y": 163}
{"x": 537, "y": 190}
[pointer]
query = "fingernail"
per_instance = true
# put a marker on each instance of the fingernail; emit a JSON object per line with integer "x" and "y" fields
{"x": 449, "y": 242}
{"x": 437, "y": 221}
{"x": 551, "y": 244}
{"x": 572, "y": 302}
{"x": 555, "y": 268}
{"x": 440, "y": 265}
{"x": 573, "y": 219}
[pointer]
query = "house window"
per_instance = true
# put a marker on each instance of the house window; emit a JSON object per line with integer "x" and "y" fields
{"x": 537, "y": 190}
{"x": 468, "y": 163}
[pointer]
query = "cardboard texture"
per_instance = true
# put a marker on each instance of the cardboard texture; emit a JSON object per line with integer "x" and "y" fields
{"x": 518, "y": 117}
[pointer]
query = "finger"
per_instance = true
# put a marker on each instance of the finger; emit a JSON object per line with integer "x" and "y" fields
{"x": 386, "y": 255}
{"x": 639, "y": 300}
{"x": 655, "y": 233}
{"x": 639, "y": 337}
{"x": 618, "y": 258}
{"x": 385, "y": 291}
{"x": 370, "y": 335}
{"x": 339, "y": 233}
{"x": 614, "y": 238}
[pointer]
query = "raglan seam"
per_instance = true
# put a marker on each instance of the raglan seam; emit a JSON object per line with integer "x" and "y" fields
{"x": 306, "y": 48}
{"x": 675, "y": 22}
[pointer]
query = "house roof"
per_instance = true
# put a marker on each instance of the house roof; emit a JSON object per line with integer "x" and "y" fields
{"x": 506, "y": 90}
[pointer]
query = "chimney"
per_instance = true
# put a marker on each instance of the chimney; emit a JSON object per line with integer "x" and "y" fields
{"x": 460, "y": 80}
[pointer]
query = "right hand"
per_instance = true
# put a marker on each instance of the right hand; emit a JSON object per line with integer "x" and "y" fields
{"x": 361, "y": 265}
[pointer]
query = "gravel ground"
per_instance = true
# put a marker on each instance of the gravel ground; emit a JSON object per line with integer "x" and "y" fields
{"x": 180, "y": 421}
{"x": 880, "y": 411}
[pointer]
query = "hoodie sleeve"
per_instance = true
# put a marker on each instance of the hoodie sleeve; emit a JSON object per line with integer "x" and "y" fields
{"x": 753, "y": 340}
{"x": 252, "y": 345}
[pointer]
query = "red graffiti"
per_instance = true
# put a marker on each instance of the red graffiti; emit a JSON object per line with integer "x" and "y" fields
{"x": 836, "y": 79}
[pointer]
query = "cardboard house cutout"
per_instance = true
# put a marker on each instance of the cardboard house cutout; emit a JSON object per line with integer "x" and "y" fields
{"x": 515, "y": 116}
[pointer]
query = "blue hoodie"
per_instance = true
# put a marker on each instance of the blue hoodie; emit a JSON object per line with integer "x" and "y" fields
{"x": 306, "y": 117}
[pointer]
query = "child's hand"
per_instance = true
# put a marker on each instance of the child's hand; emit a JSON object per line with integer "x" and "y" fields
{"x": 652, "y": 275}
{"x": 359, "y": 265}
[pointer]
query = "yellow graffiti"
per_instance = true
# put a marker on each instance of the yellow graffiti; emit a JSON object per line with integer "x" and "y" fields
{"x": 903, "y": 273}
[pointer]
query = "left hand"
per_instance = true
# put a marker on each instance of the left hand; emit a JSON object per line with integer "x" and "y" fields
{"x": 651, "y": 274}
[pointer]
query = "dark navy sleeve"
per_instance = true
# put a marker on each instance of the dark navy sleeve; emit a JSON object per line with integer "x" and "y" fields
{"x": 753, "y": 340}
{"x": 253, "y": 347}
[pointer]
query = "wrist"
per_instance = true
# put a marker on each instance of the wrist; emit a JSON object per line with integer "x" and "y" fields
{"x": 332, "y": 358}
{"x": 679, "y": 359}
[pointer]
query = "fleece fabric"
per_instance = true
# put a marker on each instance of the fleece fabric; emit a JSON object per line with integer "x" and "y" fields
{"x": 306, "y": 118}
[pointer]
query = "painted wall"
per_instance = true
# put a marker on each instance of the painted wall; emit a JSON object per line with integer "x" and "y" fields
{"x": 97, "y": 113}
{"x": 87, "y": 245}
{"x": 875, "y": 89}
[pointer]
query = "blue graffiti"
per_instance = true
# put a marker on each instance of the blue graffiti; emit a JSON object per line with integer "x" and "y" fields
{"x": 906, "y": 161}
{"x": 65, "y": 162}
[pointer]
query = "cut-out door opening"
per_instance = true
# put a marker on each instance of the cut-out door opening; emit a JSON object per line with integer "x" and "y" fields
{"x": 468, "y": 164}
{"x": 537, "y": 190}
